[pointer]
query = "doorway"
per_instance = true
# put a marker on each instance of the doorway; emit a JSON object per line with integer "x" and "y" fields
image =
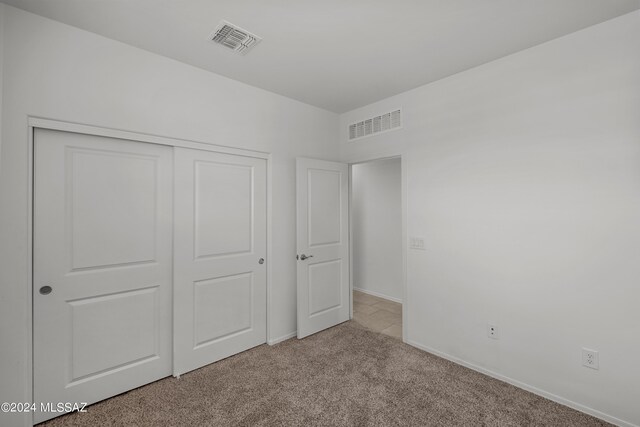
{"x": 377, "y": 260}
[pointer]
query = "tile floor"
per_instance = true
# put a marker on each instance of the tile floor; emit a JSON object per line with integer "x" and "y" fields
{"x": 378, "y": 314}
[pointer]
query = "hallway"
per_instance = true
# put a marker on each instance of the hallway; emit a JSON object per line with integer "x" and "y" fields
{"x": 378, "y": 314}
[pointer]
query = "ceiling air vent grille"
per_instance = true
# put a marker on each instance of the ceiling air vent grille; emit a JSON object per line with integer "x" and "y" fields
{"x": 378, "y": 124}
{"x": 235, "y": 38}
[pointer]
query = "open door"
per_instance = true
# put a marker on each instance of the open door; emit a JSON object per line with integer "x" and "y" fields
{"x": 323, "y": 244}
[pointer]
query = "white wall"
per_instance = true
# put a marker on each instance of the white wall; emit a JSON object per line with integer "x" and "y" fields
{"x": 523, "y": 177}
{"x": 55, "y": 71}
{"x": 376, "y": 213}
{"x": 1, "y": 69}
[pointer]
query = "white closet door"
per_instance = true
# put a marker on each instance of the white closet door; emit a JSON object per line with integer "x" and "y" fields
{"x": 323, "y": 244}
{"x": 102, "y": 266}
{"x": 219, "y": 266}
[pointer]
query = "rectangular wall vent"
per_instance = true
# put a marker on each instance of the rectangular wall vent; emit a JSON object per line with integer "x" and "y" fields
{"x": 374, "y": 125}
{"x": 234, "y": 38}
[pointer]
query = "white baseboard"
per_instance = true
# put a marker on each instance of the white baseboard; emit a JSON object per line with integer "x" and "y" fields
{"x": 378, "y": 294}
{"x": 282, "y": 338}
{"x": 561, "y": 400}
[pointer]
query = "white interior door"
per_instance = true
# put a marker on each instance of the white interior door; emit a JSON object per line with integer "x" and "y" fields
{"x": 220, "y": 246}
{"x": 323, "y": 245}
{"x": 102, "y": 266}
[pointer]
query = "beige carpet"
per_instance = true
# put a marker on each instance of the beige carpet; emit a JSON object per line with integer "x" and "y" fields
{"x": 346, "y": 375}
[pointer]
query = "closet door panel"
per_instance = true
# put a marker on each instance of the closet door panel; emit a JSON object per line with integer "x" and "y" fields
{"x": 102, "y": 266}
{"x": 220, "y": 237}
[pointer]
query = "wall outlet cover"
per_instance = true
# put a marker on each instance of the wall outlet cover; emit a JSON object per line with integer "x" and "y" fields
{"x": 492, "y": 331}
{"x": 590, "y": 358}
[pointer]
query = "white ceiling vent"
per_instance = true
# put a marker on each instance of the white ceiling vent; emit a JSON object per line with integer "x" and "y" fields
{"x": 234, "y": 37}
{"x": 375, "y": 125}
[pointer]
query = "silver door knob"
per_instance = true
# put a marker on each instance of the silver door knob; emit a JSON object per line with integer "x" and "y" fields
{"x": 261, "y": 261}
{"x": 46, "y": 290}
{"x": 303, "y": 257}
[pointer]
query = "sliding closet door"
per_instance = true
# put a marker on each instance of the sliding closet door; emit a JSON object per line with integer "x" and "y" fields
{"x": 219, "y": 265}
{"x": 102, "y": 266}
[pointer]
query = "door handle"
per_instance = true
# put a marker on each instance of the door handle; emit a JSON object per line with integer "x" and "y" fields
{"x": 261, "y": 261}
{"x": 46, "y": 290}
{"x": 303, "y": 257}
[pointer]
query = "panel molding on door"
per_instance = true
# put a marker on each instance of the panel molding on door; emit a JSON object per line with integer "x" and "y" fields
{"x": 102, "y": 266}
{"x": 323, "y": 245}
{"x": 220, "y": 236}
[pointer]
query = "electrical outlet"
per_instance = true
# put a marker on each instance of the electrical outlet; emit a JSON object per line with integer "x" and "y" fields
{"x": 590, "y": 359}
{"x": 492, "y": 331}
{"x": 416, "y": 243}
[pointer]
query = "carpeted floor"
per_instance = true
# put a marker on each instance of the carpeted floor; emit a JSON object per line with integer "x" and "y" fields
{"x": 344, "y": 376}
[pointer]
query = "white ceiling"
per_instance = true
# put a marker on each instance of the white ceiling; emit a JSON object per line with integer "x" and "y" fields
{"x": 335, "y": 54}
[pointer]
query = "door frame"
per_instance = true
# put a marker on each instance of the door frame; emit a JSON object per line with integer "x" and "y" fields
{"x": 34, "y": 123}
{"x": 403, "y": 202}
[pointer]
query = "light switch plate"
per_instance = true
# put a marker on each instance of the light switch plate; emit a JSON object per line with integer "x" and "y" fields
{"x": 416, "y": 243}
